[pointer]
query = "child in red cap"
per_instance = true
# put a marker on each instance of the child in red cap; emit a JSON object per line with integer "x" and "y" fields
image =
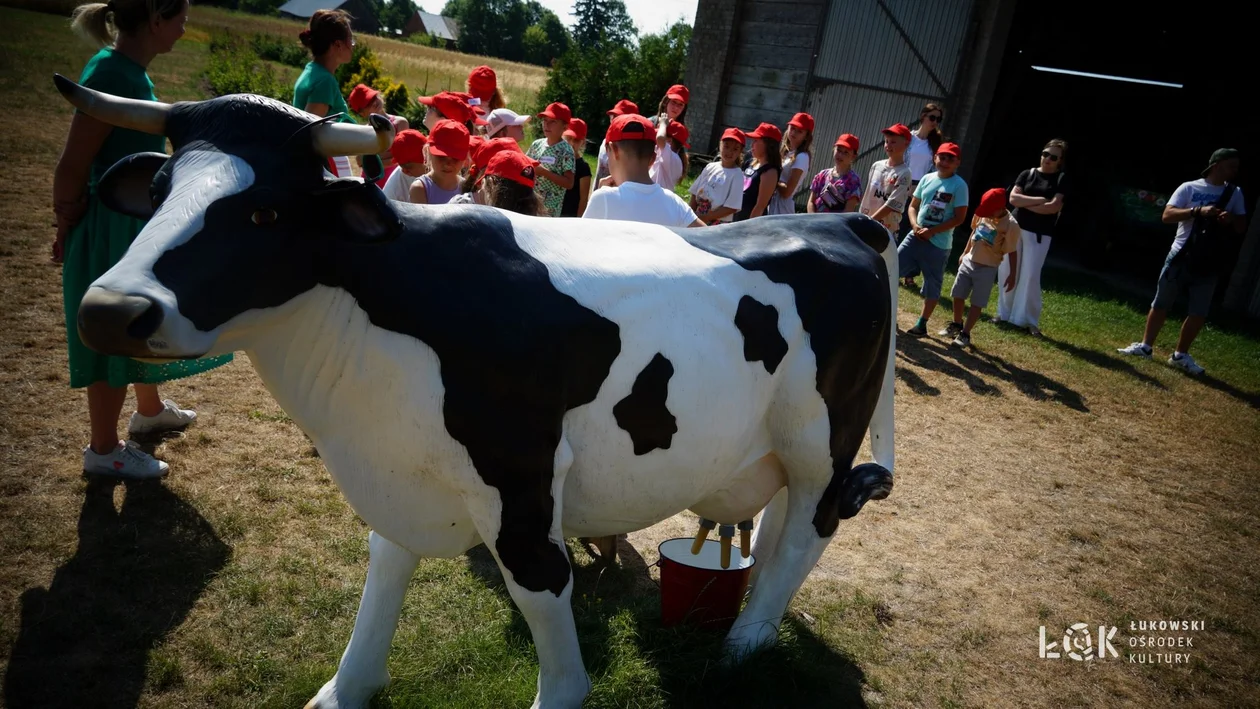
{"x": 483, "y": 84}
{"x": 555, "y": 157}
{"x": 888, "y": 184}
{"x": 509, "y": 183}
{"x": 448, "y": 151}
{"x": 795, "y": 153}
{"x": 364, "y": 101}
{"x": 624, "y": 107}
{"x": 838, "y": 189}
{"x": 938, "y": 206}
{"x": 635, "y": 197}
{"x": 576, "y": 196}
{"x": 671, "y": 154}
{"x": 479, "y": 156}
{"x": 993, "y": 235}
{"x": 408, "y": 150}
{"x": 761, "y": 177}
{"x": 451, "y": 105}
{"x": 718, "y": 191}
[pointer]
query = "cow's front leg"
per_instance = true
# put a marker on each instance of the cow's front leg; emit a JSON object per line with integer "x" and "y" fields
{"x": 520, "y": 520}
{"x": 362, "y": 671}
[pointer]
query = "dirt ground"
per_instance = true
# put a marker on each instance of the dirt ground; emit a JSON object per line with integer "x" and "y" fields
{"x": 1029, "y": 493}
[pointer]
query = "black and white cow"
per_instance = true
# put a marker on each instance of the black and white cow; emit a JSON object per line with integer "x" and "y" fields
{"x": 473, "y": 375}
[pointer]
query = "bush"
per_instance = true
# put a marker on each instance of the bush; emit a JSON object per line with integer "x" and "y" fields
{"x": 277, "y": 49}
{"x": 234, "y": 68}
{"x": 396, "y": 100}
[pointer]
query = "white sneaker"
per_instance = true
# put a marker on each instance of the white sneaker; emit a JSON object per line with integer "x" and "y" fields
{"x": 172, "y": 418}
{"x": 1141, "y": 349}
{"x": 1184, "y": 361}
{"x": 125, "y": 461}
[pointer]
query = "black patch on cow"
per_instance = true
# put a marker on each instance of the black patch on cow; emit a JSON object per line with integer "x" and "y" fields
{"x": 515, "y": 352}
{"x": 759, "y": 324}
{"x": 643, "y": 413}
{"x": 842, "y": 296}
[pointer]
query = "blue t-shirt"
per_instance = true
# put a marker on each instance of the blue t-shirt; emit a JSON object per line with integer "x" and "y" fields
{"x": 938, "y": 198}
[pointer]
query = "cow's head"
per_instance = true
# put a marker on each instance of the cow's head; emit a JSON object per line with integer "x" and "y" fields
{"x": 242, "y": 217}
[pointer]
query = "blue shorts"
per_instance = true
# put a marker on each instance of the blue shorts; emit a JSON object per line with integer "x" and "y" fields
{"x": 1175, "y": 278}
{"x": 914, "y": 255}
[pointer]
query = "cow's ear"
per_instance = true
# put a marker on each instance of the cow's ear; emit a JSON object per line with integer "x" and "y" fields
{"x": 366, "y": 215}
{"x": 126, "y": 187}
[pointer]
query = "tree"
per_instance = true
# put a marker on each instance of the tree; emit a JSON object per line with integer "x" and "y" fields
{"x": 660, "y": 62}
{"x": 396, "y": 14}
{"x": 602, "y": 23}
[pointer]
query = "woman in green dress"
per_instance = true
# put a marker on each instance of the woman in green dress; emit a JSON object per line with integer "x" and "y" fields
{"x": 91, "y": 238}
{"x": 331, "y": 43}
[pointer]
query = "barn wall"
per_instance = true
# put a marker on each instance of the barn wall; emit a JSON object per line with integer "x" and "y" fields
{"x": 708, "y": 57}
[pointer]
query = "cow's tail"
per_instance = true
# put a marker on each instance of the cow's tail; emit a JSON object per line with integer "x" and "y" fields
{"x": 882, "y": 420}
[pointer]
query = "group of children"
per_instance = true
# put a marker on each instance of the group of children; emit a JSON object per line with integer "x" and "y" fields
{"x": 472, "y": 155}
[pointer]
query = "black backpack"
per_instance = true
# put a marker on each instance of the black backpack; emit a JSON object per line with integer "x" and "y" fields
{"x": 1207, "y": 247}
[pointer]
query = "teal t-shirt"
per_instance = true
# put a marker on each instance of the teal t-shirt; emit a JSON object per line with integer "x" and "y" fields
{"x": 112, "y": 72}
{"x": 938, "y": 198}
{"x": 318, "y": 85}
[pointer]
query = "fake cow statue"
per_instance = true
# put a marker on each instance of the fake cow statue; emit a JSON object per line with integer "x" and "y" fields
{"x": 472, "y": 375}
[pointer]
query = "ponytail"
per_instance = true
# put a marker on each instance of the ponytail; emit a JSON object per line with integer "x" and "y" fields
{"x": 325, "y": 27}
{"x": 101, "y": 23}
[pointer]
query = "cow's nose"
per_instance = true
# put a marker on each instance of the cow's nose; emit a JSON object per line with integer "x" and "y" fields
{"x": 117, "y": 324}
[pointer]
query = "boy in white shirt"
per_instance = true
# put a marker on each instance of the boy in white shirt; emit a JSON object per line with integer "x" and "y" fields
{"x": 719, "y": 190}
{"x": 408, "y": 152}
{"x": 636, "y": 198}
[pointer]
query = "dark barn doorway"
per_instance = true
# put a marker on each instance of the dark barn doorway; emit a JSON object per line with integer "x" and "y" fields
{"x": 1129, "y": 144}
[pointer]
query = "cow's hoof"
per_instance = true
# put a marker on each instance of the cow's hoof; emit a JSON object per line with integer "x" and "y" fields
{"x": 337, "y": 694}
{"x": 866, "y": 482}
{"x": 563, "y": 695}
{"x": 745, "y": 640}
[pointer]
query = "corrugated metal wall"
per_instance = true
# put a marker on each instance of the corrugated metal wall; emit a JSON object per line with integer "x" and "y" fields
{"x": 867, "y": 76}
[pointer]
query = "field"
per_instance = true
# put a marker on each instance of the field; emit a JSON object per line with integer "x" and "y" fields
{"x": 1040, "y": 482}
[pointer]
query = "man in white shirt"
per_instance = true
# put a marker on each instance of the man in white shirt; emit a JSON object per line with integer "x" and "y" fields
{"x": 1206, "y": 217}
{"x": 636, "y": 198}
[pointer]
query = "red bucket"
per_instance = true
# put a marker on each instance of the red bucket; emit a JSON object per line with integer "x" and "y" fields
{"x": 696, "y": 590}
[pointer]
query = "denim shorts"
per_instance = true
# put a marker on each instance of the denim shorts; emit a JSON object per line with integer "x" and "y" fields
{"x": 1175, "y": 278}
{"x": 915, "y": 255}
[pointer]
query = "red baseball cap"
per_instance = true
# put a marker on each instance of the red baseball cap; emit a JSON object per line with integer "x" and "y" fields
{"x": 489, "y": 148}
{"x": 557, "y": 111}
{"x": 408, "y": 146}
{"x": 949, "y": 149}
{"x": 449, "y": 139}
{"x": 678, "y": 132}
{"x": 482, "y": 83}
{"x": 767, "y": 130}
{"x": 455, "y": 106}
{"x": 360, "y": 96}
{"x": 678, "y": 92}
{"x": 631, "y": 127}
{"x": 992, "y": 203}
{"x": 734, "y": 134}
{"x": 576, "y": 130}
{"x": 848, "y": 140}
{"x": 898, "y": 130}
{"x": 624, "y": 107}
{"x": 513, "y": 165}
{"x": 804, "y": 121}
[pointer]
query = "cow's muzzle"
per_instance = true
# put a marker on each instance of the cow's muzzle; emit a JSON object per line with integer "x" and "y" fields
{"x": 116, "y": 324}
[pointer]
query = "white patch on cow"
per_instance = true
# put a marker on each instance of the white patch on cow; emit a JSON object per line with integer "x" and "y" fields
{"x": 199, "y": 179}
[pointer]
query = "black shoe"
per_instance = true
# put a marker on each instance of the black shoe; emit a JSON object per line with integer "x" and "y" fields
{"x": 919, "y": 330}
{"x": 951, "y": 329}
{"x": 963, "y": 340}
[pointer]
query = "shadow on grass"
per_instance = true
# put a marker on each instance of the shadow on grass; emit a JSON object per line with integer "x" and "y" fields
{"x": 972, "y": 366}
{"x": 1098, "y": 359}
{"x": 1249, "y": 398}
{"x": 629, "y": 654}
{"x": 138, "y": 571}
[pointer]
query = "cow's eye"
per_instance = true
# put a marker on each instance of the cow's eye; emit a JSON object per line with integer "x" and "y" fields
{"x": 263, "y": 217}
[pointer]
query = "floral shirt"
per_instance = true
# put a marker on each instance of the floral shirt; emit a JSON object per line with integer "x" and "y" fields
{"x": 557, "y": 158}
{"x": 830, "y": 192}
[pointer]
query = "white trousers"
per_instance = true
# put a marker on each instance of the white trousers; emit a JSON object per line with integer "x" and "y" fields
{"x": 1022, "y": 306}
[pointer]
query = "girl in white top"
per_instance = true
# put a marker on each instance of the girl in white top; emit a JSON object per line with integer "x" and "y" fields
{"x": 797, "y": 142}
{"x": 671, "y": 153}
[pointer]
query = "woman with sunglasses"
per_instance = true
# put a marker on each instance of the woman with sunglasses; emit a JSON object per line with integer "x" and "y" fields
{"x": 331, "y": 44}
{"x": 1038, "y": 198}
{"x": 923, "y": 145}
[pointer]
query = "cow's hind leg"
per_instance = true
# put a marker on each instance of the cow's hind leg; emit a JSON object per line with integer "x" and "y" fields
{"x": 362, "y": 670}
{"x": 820, "y": 493}
{"x": 521, "y": 524}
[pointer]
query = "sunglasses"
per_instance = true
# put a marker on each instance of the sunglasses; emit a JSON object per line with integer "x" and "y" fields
{"x": 1049, "y": 156}
{"x": 934, "y": 119}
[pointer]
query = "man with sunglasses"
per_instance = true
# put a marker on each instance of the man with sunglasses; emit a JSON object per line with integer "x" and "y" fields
{"x": 1207, "y": 213}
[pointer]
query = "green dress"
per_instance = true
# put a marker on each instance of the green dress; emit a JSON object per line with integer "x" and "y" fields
{"x": 101, "y": 238}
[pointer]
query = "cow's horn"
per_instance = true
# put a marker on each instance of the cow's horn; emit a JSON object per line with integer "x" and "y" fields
{"x": 334, "y": 139}
{"x": 144, "y": 116}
